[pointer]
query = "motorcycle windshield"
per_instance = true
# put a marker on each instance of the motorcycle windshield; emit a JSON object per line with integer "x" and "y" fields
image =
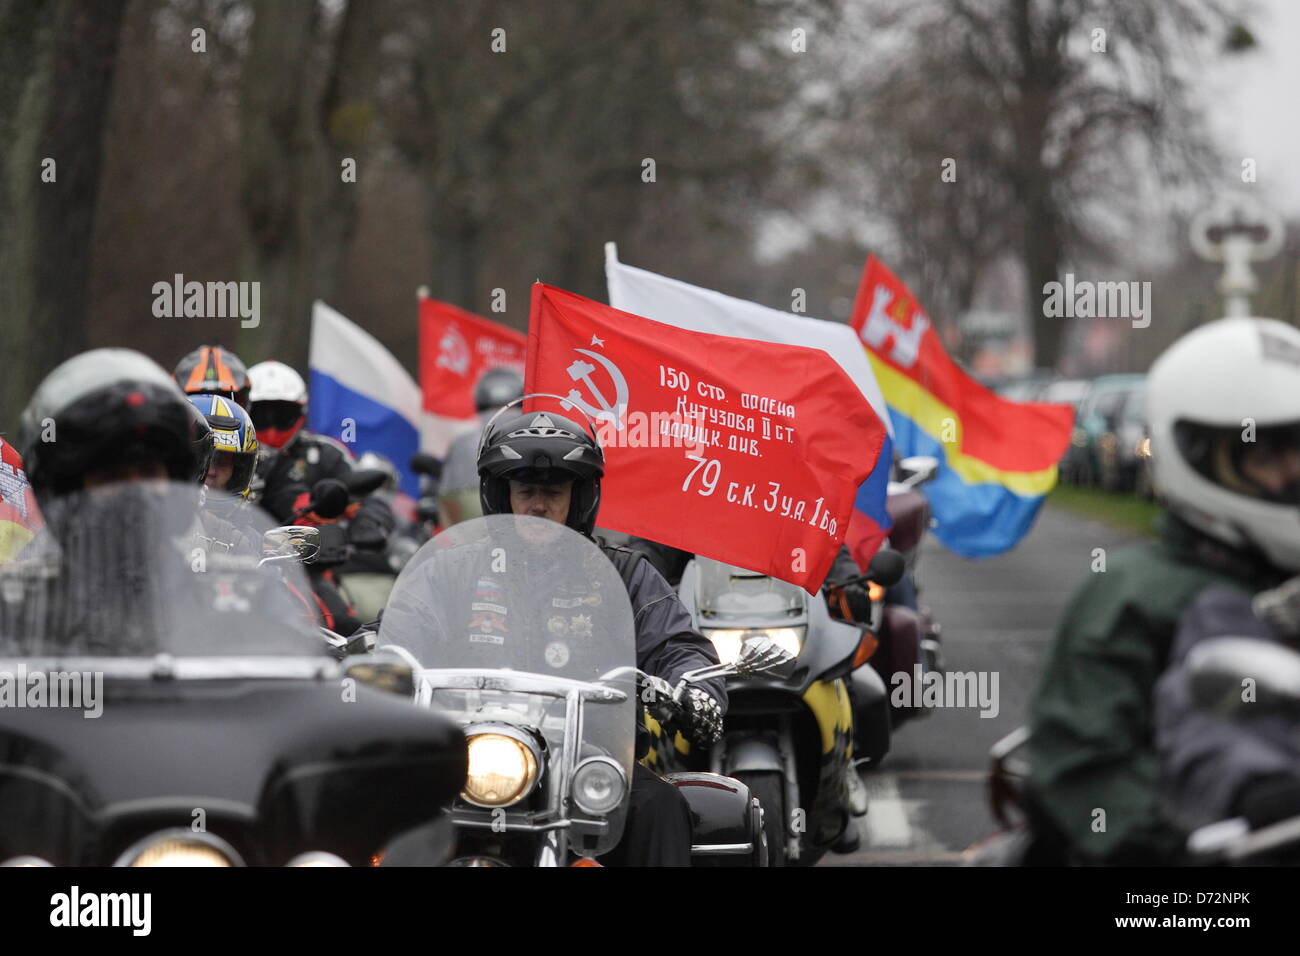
{"x": 136, "y": 570}
{"x": 519, "y": 620}
{"x": 733, "y": 597}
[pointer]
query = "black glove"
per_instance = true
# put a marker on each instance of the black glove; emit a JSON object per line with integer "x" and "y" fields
{"x": 858, "y": 599}
{"x": 366, "y": 533}
{"x": 703, "y": 717}
{"x": 657, "y": 696}
{"x": 1271, "y": 799}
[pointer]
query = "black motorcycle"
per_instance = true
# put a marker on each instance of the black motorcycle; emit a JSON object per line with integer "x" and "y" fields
{"x": 169, "y": 707}
{"x": 521, "y": 630}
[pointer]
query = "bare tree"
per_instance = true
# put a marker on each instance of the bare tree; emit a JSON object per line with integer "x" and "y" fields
{"x": 1059, "y": 113}
{"x": 56, "y": 70}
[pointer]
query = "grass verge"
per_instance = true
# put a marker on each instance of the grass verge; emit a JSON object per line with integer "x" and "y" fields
{"x": 1126, "y": 512}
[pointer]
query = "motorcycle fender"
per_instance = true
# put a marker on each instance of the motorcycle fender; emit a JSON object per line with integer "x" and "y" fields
{"x": 721, "y": 816}
{"x": 900, "y": 642}
{"x": 752, "y": 754}
{"x": 431, "y": 844}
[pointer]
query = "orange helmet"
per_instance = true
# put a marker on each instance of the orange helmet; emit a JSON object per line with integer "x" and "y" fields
{"x": 210, "y": 369}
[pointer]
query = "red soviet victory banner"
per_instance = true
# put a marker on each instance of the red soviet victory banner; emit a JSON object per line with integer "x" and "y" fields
{"x": 456, "y": 347}
{"x": 743, "y": 451}
{"x": 20, "y": 519}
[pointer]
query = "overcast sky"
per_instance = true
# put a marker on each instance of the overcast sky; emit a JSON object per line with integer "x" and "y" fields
{"x": 1254, "y": 104}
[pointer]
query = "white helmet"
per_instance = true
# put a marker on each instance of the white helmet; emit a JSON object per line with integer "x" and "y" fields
{"x": 1221, "y": 391}
{"x": 276, "y": 382}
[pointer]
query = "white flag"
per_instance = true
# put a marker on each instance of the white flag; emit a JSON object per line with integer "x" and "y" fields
{"x": 703, "y": 310}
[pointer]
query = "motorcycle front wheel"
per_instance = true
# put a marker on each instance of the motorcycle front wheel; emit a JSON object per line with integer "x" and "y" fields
{"x": 770, "y": 790}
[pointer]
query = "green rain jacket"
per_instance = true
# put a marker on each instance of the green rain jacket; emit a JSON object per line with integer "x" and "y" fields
{"x": 1093, "y": 784}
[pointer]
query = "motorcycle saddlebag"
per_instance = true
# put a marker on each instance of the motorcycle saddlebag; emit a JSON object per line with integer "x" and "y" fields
{"x": 727, "y": 831}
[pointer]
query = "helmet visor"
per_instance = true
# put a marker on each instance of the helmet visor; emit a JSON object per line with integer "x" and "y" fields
{"x": 231, "y": 471}
{"x": 1260, "y": 462}
{"x": 275, "y": 416}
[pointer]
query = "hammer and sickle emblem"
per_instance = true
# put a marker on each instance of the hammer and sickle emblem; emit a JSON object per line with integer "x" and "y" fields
{"x": 580, "y": 371}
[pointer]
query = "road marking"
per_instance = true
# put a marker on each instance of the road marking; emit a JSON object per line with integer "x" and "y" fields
{"x": 960, "y": 776}
{"x": 892, "y": 857}
{"x": 886, "y": 821}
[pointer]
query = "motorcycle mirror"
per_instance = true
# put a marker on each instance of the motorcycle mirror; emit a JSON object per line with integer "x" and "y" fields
{"x": 361, "y": 642}
{"x": 1219, "y": 669}
{"x": 329, "y": 498}
{"x": 290, "y": 542}
{"x": 422, "y": 463}
{"x": 365, "y": 481}
{"x": 758, "y": 654}
{"x": 918, "y": 469}
{"x": 886, "y": 568}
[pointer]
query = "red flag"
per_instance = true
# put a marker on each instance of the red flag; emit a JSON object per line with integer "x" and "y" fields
{"x": 456, "y": 347}
{"x": 743, "y": 451}
{"x": 19, "y": 516}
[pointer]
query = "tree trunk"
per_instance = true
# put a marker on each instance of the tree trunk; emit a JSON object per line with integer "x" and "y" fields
{"x": 275, "y": 178}
{"x": 456, "y": 237}
{"x": 347, "y": 121}
{"x": 1044, "y": 252}
{"x": 56, "y": 73}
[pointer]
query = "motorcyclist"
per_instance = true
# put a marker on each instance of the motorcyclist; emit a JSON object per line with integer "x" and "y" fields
{"x": 458, "y": 483}
{"x": 547, "y": 466}
{"x": 228, "y": 458}
{"x": 408, "y": 533}
{"x": 112, "y": 453}
{"x": 1222, "y": 405}
{"x": 1220, "y": 765}
{"x": 278, "y": 406}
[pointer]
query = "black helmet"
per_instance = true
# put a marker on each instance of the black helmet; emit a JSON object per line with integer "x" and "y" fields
{"x": 545, "y": 448}
{"x": 497, "y": 387}
{"x": 210, "y": 369}
{"x": 98, "y": 409}
{"x": 205, "y": 443}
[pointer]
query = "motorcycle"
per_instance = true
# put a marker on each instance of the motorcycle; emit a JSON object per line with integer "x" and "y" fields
{"x": 909, "y": 636}
{"x": 521, "y": 630}
{"x": 790, "y": 732}
{"x": 1219, "y": 669}
{"x": 177, "y": 711}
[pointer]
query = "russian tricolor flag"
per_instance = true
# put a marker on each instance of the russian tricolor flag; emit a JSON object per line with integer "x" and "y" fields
{"x": 703, "y": 310}
{"x": 361, "y": 394}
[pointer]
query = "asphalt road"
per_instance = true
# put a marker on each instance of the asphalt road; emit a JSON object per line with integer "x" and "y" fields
{"x": 998, "y": 616}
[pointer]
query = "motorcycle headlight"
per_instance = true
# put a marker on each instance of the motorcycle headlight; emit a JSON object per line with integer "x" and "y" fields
{"x": 728, "y": 641}
{"x": 25, "y": 861}
{"x": 180, "y": 847}
{"x": 598, "y": 785}
{"x": 502, "y": 770}
{"x": 317, "y": 858}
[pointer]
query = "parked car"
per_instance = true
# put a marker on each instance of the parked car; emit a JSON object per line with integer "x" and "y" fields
{"x": 1067, "y": 391}
{"x": 1123, "y": 447}
{"x": 1027, "y": 388}
{"x": 1097, "y": 414}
